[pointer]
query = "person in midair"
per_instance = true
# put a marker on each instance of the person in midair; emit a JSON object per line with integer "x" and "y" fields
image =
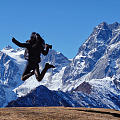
{"x": 34, "y": 48}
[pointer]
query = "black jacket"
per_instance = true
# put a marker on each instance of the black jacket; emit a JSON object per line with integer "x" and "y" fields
{"x": 34, "y": 49}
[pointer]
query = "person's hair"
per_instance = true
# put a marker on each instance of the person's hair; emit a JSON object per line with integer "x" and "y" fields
{"x": 33, "y": 35}
{"x": 40, "y": 40}
{"x": 33, "y": 38}
{"x": 39, "y": 37}
{"x": 33, "y": 32}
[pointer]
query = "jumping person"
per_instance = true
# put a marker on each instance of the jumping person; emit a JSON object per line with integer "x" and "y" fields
{"x": 34, "y": 47}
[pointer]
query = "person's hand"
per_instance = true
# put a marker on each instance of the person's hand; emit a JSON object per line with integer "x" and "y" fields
{"x": 13, "y": 39}
{"x": 49, "y": 46}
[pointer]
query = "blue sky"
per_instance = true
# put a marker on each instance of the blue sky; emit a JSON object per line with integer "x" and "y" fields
{"x": 65, "y": 24}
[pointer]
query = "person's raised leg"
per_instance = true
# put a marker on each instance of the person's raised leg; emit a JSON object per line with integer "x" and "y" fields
{"x": 27, "y": 72}
{"x": 37, "y": 73}
{"x": 39, "y": 76}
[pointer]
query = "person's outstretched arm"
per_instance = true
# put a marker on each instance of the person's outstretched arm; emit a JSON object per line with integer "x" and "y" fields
{"x": 26, "y": 45}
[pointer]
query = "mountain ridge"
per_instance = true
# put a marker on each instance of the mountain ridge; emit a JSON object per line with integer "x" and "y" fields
{"x": 91, "y": 79}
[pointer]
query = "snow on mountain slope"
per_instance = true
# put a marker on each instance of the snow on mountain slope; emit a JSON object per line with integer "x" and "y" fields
{"x": 54, "y": 83}
{"x": 17, "y": 55}
{"x": 42, "y": 96}
{"x": 90, "y": 79}
{"x": 50, "y": 80}
{"x": 9, "y": 78}
{"x": 98, "y": 57}
{"x": 102, "y": 94}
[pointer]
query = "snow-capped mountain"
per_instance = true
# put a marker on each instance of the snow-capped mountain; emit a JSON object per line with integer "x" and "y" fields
{"x": 97, "y": 58}
{"x": 9, "y": 78}
{"x": 91, "y": 79}
{"x": 12, "y": 64}
{"x": 42, "y": 96}
{"x": 95, "y": 93}
{"x": 52, "y": 79}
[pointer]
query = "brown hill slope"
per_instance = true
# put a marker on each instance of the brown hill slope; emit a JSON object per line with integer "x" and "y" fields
{"x": 58, "y": 113}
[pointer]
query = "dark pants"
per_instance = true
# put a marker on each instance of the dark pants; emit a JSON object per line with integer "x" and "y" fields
{"x": 31, "y": 69}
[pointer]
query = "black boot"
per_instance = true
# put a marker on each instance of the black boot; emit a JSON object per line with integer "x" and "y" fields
{"x": 39, "y": 77}
{"x": 47, "y": 65}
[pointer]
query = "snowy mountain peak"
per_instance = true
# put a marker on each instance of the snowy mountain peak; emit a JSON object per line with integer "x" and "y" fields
{"x": 114, "y": 26}
{"x": 98, "y": 57}
{"x": 105, "y": 25}
{"x": 8, "y": 47}
{"x": 102, "y": 25}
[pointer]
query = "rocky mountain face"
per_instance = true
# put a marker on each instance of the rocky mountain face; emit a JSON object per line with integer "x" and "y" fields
{"x": 55, "y": 58}
{"x": 94, "y": 94}
{"x": 91, "y": 79}
{"x": 42, "y": 96}
{"x": 9, "y": 78}
{"x": 9, "y": 71}
{"x": 98, "y": 57}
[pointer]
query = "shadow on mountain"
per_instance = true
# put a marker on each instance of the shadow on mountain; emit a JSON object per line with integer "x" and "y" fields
{"x": 85, "y": 87}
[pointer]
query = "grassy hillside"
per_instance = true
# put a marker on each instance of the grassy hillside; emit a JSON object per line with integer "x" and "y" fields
{"x": 58, "y": 113}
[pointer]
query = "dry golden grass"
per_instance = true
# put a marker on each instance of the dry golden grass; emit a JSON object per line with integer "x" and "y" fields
{"x": 58, "y": 113}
